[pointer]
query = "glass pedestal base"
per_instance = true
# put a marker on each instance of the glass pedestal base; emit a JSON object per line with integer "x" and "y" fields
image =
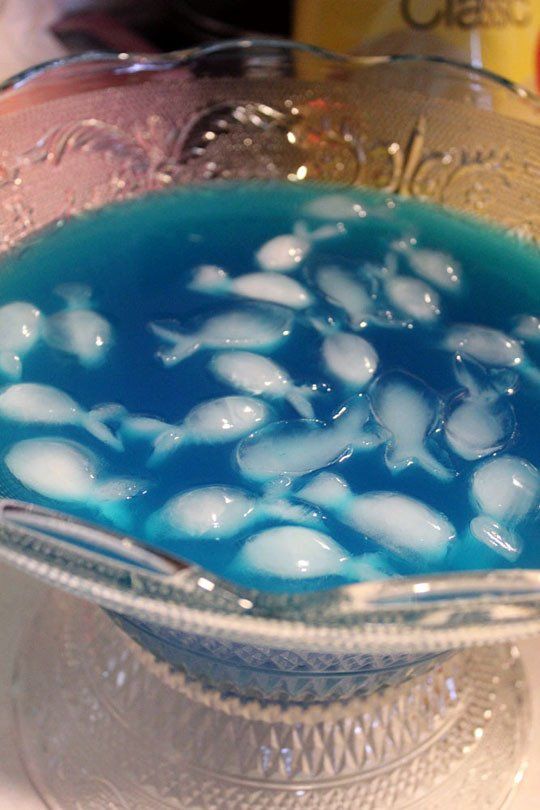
{"x": 104, "y": 726}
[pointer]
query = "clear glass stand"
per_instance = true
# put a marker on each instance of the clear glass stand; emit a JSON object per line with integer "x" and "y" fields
{"x": 103, "y": 725}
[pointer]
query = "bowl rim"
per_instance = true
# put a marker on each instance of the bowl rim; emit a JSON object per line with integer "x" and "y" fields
{"x": 184, "y": 56}
{"x": 417, "y": 613}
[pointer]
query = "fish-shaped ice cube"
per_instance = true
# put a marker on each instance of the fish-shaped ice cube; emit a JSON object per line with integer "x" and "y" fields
{"x": 222, "y": 512}
{"x": 499, "y": 538}
{"x": 286, "y": 252}
{"x": 479, "y": 420}
{"x": 507, "y": 488}
{"x": 404, "y": 526}
{"x": 413, "y": 298}
{"x": 350, "y": 359}
{"x": 33, "y": 403}
{"x": 410, "y": 413}
{"x": 216, "y": 421}
{"x": 293, "y": 448}
{"x": 347, "y": 291}
{"x": 67, "y": 472}
{"x": 487, "y": 346}
{"x": 275, "y": 288}
{"x": 255, "y": 374}
{"x": 527, "y": 328}
{"x": 21, "y": 326}
{"x": 256, "y": 326}
{"x": 491, "y": 348}
{"x": 290, "y": 553}
{"x": 506, "y": 492}
{"x": 79, "y": 330}
{"x": 336, "y": 208}
{"x": 433, "y": 266}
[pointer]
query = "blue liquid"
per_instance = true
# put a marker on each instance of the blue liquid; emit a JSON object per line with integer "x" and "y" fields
{"x": 138, "y": 258}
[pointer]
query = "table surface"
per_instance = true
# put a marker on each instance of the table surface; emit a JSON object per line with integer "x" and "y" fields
{"x": 19, "y": 597}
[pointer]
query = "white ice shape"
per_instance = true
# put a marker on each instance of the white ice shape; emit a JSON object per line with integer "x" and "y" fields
{"x": 255, "y": 374}
{"x": 491, "y": 348}
{"x": 350, "y": 358}
{"x": 335, "y": 208}
{"x": 499, "y": 538}
{"x": 527, "y": 327}
{"x": 286, "y": 252}
{"x": 78, "y": 329}
{"x": 410, "y": 412}
{"x": 221, "y": 512}
{"x": 291, "y": 553}
{"x": 216, "y": 421}
{"x": 507, "y": 488}
{"x": 479, "y": 420}
{"x": 296, "y": 447}
{"x": 274, "y": 288}
{"x": 432, "y": 266}
{"x": 413, "y": 298}
{"x": 256, "y": 326}
{"x": 404, "y": 526}
{"x": 506, "y": 492}
{"x": 344, "y": 289}
{"x": 67, "y": 472}
{"x": 32, "y": 403}
{"x": 21, "y": 326}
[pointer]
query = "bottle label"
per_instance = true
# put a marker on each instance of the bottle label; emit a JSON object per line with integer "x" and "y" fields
{"x": 500, "y": 35}
{"x": 467, "y": 14}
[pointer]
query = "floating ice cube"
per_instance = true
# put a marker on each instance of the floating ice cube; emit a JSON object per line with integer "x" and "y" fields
{"x": 66, "y": 471}
{"x": 286, "y": 252}
{"x": 413, "y": 298}
{"x": 296, "y": 447}
{"x": 291, "y": 552}
{"x": 222, "y": 512}
{"x": 350, "y": 358}
{"x": 527, "y": 328}
{"x": 20, "y": 328}
{"x": 254, "y": 326}
{"x": 497, "y": 537}
{"x": 403, "y": 525}
{"x": 79, "y": 330}
{"x": 272, "y": 287}
{"x": 32, "y": 403}
{"x": 478, "y": 421}
{"x": 507, "y": 488}
{"x": 436, "y": 267}
{"x": 488, "y": 346}
{"x": 250, "y": 372}
{"x": 410, "y": 412}
{"x": 347, "y": 291}
{"x": 204, "y": 513}
{"x": 475, "y": 428}
{"x": 215, "y": 421}
{"x": 506, "y": 491}
{"x": 335, "y": 207}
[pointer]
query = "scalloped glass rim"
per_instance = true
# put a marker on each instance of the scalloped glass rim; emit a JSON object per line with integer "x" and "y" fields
{"x": 178, "y": 58}
{"x": 435, "y": 612}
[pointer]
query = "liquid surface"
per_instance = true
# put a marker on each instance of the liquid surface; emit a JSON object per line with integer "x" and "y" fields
{"x": 293, "y": 387}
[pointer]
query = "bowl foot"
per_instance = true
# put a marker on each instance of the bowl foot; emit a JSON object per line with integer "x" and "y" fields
{"x": 102, "y": 725}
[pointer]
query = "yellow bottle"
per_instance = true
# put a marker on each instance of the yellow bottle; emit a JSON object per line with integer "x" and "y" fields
{"x": 498, "y": 35}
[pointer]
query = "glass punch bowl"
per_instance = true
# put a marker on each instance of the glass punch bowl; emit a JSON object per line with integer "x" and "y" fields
{"x": 160, "y": 686}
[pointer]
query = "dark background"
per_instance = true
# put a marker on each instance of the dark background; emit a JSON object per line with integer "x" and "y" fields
{"x": 163, "y": 25}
